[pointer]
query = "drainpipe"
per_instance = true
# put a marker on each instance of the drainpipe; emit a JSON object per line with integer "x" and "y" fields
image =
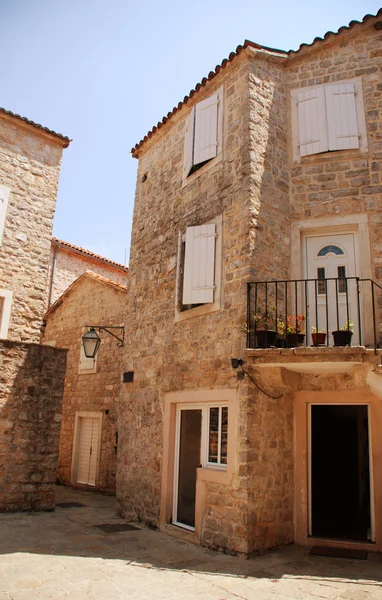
{"x": 52, "y": 274}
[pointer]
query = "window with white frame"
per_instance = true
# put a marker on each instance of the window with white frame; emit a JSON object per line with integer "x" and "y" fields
{"x": 86, "y": 365}
{"x": 217, "y": 436}
{"x": 4, "y": 197}
{"x": 328, "y": 118}
{"x": 203, "y": 132}
{"x": 199, "y": 266}
{"x": 5, "y": 312}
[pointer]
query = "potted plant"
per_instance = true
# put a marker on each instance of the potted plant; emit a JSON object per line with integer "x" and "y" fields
{"x": 293, "y": 330}
{"x": 342, "y": 337}
{"x": 265, "y": 327}
{"x": 318, "y": 336}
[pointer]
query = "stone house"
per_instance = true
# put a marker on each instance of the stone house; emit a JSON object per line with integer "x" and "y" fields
{"x": 258, "y": 207}
{"x": 31, "y": 377}
{"x": 68, "y": 262}
{"x": 89, "y": 431}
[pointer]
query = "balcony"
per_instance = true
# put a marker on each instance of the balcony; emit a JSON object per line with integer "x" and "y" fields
{"x": 317, "y": 313}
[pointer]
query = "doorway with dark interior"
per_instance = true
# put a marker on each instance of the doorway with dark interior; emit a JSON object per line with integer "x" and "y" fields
{"x": 340, "y": 472}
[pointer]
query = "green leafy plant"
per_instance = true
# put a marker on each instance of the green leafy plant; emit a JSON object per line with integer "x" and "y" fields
{"x": 315, "y": 330}
{"x": 349, "y": 326}
{"x": 293, "y": 324}
{"x": 265, "y": 319}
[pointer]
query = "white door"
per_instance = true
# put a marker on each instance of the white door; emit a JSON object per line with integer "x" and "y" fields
{"x": 87, "y": 450}
{"x": 332, "y": 257}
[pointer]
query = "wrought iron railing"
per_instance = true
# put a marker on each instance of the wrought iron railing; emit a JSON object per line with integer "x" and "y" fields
{"x": 291, "y": 313}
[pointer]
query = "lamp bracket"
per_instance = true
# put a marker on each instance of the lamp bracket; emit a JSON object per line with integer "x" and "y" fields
{"x": 107, "y": 329}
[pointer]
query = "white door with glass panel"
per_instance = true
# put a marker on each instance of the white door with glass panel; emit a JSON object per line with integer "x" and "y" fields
{"x": 332, "y": 258}
{"x": 87, "y": 450}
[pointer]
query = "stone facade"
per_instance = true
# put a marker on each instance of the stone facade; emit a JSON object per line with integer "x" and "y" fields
{"x": 266, "y": 200}
{"x": 68, "y": 262}
{"x": 29, "y": 171}
{"x": 91, "y": 299}
{"x": 31, "y": 388}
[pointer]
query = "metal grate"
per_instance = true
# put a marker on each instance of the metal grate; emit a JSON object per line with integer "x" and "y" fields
{"x": 70, "y": 504}
{"x": 117, "y": 527}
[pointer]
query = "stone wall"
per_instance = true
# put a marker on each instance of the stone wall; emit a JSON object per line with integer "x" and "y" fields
{"x": 29, "y": 165}
{"x": 31, "y": 389}
{"x": 165, "y": 355}
{"x": 70, "y": 265}
{"x": 90, "y": 300}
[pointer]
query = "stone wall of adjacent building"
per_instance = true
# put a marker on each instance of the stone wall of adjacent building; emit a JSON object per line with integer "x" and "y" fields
{"x": 345, "y": 182}
{"x": 90, "y": 301}
{"x": 29, "y": 167}
{"x": 68, "y": 266}
{"x": 31, "y": 390}
{"x": 252, "y": 197}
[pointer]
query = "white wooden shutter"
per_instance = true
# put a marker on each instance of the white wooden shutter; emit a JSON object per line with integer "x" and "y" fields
{"x": 189, "y": 143}
{"x": 312, "y": 121}
{"x": 341, "y": 116}
{"x": 87, "y": 455}
{"x": 199, "y": 265}
{"x": 206, "y": 129}
{"x": 84, "y": 445}
{"x": 86, "y": 364}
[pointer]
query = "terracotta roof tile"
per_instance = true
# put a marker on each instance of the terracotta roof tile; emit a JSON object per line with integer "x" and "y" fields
{"x": 77, "y": 249}
{"x": 226, "y": 61}
{"x": 340, "y": 30}
{"x": 64, "y": 139}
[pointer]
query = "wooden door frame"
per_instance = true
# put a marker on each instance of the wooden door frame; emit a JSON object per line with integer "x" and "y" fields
{"x": 76, "y": 439}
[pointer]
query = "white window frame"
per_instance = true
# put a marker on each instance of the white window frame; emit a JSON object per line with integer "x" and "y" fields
{"x": 188, "y": 178}
{"x": 204, "y": 439}
{"x": 4, "y": 199}
{"x": 83, "y": 359}
{"x": 360, "y": 109}
{"x": 5, "y": 312}
{"x": 206, "y": 463}
{"x": 182, "y": 315}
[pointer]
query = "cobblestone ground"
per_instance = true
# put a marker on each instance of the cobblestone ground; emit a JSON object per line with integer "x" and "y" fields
{"x": 62, "y": 555}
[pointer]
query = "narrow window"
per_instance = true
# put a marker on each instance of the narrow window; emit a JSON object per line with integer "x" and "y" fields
{"x": 218, "y": 435}
{"x": 321, "y": 283}
{"x": 341, "y": 273}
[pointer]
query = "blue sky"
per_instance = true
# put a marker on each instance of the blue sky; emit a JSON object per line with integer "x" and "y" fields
{"x": 104, "y": 73}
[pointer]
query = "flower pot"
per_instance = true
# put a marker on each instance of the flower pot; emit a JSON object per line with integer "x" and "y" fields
{"x": 342, "y": 337}
{"x": 319, "y": 338}
{"x": 294, "y": 339}
{"x": 265, "y": 338}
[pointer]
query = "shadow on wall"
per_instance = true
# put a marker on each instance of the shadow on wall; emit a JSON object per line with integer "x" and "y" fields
{"x": 31, "y": 390}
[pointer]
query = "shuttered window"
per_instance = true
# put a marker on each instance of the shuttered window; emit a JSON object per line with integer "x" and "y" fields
{"x": 327, "y": 119}
{"x": 199, "y": 264}
{"x": 201, "y": 138}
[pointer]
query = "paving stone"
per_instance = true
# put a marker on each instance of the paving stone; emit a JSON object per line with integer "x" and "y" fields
{"x": 59, "y": 557}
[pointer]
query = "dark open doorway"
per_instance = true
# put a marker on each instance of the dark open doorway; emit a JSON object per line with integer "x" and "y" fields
{"x": 340, "y": 476}
{"x": 189, "y": 461}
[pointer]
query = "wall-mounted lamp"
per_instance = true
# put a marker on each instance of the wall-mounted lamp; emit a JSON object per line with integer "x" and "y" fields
{"x": 91, "y": 340}
{"x": 239, "y": 362}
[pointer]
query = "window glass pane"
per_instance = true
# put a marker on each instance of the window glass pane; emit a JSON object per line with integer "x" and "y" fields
{"x": 213, "y": 438}
{"x": 224, "y": 436}
{"x": 321, "y": 283}
{"x": 342, "y": 282}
